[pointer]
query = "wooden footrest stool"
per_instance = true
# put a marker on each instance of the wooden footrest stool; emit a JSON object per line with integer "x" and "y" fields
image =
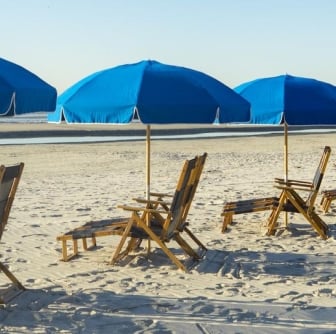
{"x": 327, "y": 197}
{"x": 246, "y": 206}
{"x": 90, "y": 230}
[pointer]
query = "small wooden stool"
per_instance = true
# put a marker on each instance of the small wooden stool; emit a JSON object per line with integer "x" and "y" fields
{"x": 327, "y": 197}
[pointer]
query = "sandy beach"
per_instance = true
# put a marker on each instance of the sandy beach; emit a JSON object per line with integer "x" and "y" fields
{"x": 246, "y": 283}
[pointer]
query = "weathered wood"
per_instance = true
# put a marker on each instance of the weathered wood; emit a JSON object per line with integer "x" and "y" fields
{"x": 290, "y": 199}
{"x": 9, "y": 180}
{"x": 327, "y": 197}
{"x": 246, "y": 206}
{"x": 167, "y": 221}
{"x": 89, "y": 232}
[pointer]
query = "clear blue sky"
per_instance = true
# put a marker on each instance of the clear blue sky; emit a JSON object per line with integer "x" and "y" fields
{"x": 235, "y": 41}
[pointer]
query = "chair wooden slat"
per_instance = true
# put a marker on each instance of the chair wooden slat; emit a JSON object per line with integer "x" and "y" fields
{"x": 328, "y": 196}
{"x": 167, "y": 223}
{"x": 9, "y": 181}
{"x": 291, "y": 200}
{"x": 167, "y": 215}
{"x": 288, "y": 201}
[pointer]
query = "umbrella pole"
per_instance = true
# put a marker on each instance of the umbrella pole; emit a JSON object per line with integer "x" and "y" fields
{"x": 286, "y": 163}
{"x": 286, "y": 152}
{"x": 148, "y": 131}
{"x": 148, "y": 153}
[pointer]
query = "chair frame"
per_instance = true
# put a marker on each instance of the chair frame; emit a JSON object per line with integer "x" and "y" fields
{"x": 9, "y": 180}
{"x": 291, "y": 201}
{"x": 89, "y": 232}
{"x": 167, "y": 219}
{"x": 277, "y": 204}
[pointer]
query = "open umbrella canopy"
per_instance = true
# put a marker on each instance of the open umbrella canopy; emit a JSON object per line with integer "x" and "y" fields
{"x": 290, "y": 99}
{"x": 287, "y": 99}
{"x": 155, "y": 93}
{"x": 22, "y": 92}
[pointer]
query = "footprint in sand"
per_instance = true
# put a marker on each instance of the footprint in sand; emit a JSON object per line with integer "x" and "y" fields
{"x": 202, "y": 308}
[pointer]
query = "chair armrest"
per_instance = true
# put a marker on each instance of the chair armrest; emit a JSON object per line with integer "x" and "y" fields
{"x": 290, "y": 187}
{"x": 150, "y": 201}
{"x": 291, "y": 183}
{"x": 160, "y": 194}
{"x": 135, "y": 208}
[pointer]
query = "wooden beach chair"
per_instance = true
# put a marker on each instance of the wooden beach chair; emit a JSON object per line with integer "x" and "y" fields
{"x": 168, "y": 220}
{"x": 271, "y": 203}
{"x": 88, "y": 233}
{"x": 291, "y": 200}
{"x": 9, "y": 180}
{"x": 327, "y": 197}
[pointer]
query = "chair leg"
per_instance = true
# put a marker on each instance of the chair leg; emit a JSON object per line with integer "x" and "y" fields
{"x": 326, "y": 204}
{"x": 322, "y": 202}
{"x": 186, "y": 247}
{"x": 14, "y": 290}
{"x": 6, "y": 271}
{"x": 152, "y": 235}
{"x": 326, "y": 200}
{"x": 318, "y": 224}
{"x": 132, "y": 245}
{"x": 163, "y": 246}
{"x": 196, "y": 240}
{"x": 226, "y": 221}
{"x": 117, "y": 252}
{"x": 65, "y": 256}
{"x": 93, "y": 245}
{"x": 272, "y": 221}
{"x": 172, "y": 257}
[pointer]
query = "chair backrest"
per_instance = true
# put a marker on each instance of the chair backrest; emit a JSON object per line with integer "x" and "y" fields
{"x": 194, "y": 183}
{"x": 9, "y": 181}
{"x": 320, "y": 171}
{"x": 183, "y": 196}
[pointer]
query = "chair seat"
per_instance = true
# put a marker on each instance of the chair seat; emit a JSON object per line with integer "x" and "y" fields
{"x": 94, "y": 229}
{"x": 244, "y": 206}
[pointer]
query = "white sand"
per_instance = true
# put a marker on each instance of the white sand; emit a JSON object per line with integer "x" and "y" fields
{"x": 247, "y": 282}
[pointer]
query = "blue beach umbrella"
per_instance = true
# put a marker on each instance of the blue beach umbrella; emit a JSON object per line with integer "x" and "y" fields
{"x": 22, "y": 92}
{"x": 290, "y": 100}
{"x": 152, "y": 92}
